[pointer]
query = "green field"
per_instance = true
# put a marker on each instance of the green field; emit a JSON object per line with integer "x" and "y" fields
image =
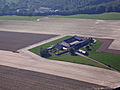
{"x": 28, "y": 18}
{"x": 110, "y": 59}
{"x": 104, "y": 16}
{"x": 66, "y": 57}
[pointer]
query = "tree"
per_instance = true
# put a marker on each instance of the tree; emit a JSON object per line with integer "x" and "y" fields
{"x": 65, "y": 7}
{"x": 72, "y": 51}
{"x": 44, "y": 53}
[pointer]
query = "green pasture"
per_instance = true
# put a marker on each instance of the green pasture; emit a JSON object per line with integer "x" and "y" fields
{"x": 104, "y": 16}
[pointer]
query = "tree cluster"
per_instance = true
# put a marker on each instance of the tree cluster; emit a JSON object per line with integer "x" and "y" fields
{"x": 44, "y": 53}
{"x": 65, "y": 7}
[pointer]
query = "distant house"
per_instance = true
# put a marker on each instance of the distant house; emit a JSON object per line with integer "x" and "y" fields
{"x": 45, "y": 9}
{"x": 18, "y": 10}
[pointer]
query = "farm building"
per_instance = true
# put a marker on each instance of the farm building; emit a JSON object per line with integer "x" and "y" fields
{"x": 74, "y": 42}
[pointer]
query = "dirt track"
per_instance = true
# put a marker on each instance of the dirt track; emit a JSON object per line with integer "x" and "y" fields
{"x": 18, "y": 79}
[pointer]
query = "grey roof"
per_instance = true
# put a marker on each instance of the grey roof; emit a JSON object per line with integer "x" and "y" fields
{"x": 78, "y": 38}
{"x": 58, "y": 46}
{"x": 64, "y": 44}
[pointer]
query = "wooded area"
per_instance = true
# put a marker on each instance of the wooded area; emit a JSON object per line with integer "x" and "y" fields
{"x": 57, "y": 7}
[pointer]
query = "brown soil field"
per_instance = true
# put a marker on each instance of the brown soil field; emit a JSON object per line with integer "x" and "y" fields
{"x": 18, "y": 79}
{"x": 109, "y": 29}
{"x": 12, "y": 41}
{"x": 105, "y": 46}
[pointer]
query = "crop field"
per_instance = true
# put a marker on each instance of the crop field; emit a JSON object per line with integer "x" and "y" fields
{"x": 86, "y": 27}
{"x": 29, "y": 80}
{"x": 13, "y": 41}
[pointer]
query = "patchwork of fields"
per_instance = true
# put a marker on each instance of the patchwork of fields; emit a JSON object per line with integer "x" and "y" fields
{"x": 12, "y": 41}
{"x": 87, "y": 27}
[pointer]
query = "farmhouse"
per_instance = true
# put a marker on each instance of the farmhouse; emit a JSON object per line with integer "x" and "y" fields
{"x": 74, "y": 42}
{"x": 45, "y": 9}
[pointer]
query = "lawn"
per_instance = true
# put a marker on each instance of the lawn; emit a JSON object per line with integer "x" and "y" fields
{"x": 66, "y": 57}
{"x": 110, "y": 59}
{"x": 75, "y": 59}
{"x": 104, "y": 16}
